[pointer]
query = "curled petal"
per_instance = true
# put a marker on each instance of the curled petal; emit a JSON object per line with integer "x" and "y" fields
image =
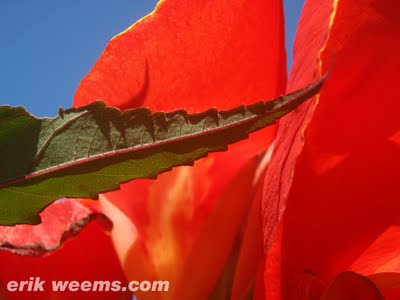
{"x": 78, "y": 259}
{"x": 60, "y": 221}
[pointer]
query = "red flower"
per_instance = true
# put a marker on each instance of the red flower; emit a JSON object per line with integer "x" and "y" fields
{"x": 194, "y": 55}
{"x": 327, "y": 228}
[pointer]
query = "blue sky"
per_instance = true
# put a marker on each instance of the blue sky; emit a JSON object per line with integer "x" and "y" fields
{"x": 48, "y": 46}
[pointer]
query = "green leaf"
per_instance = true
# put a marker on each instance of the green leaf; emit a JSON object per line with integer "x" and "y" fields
{"x": 88, "y": 150}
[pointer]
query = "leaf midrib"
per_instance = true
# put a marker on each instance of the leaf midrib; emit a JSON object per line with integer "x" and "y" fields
{"x": 93, "y": 158}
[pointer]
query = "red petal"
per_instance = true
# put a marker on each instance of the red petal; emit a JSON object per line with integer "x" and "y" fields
{"x": 219, "y": 233}
{"x": 79, "y": 259}
{"x": 351, "y": 286}
{"x": 310, "y": 40}
{"x": 60, "y": 221}
{"x": 193, "y": 55}
{"x": 251, "y": 253}
{"x": 343, "y": 191}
